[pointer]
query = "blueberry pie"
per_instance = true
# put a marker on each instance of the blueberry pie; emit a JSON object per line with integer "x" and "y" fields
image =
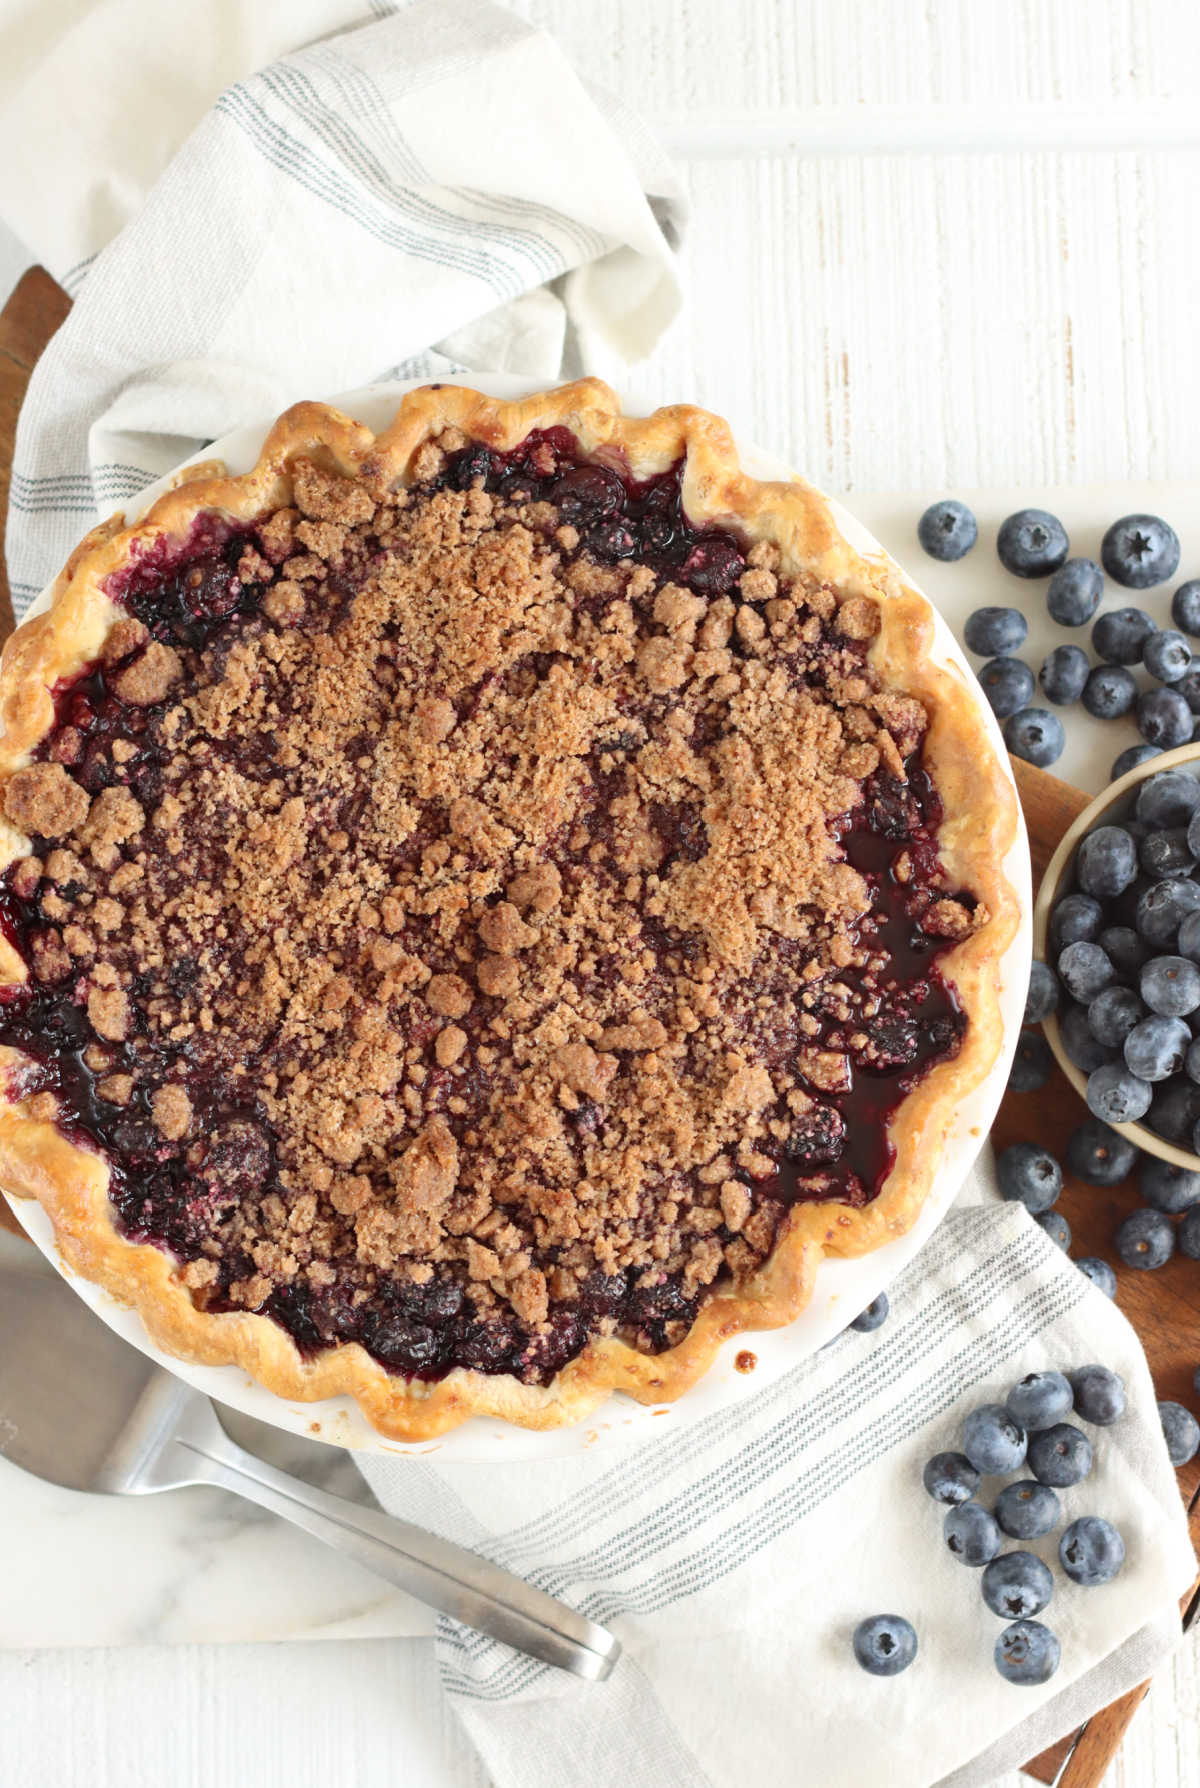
{"x": 486, "y": 907}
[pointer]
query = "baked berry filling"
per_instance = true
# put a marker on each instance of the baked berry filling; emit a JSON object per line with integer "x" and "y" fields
{"x": 467, "y": 919}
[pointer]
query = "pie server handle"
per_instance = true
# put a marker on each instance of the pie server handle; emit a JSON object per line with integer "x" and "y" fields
{"x": 459, "y": 1583}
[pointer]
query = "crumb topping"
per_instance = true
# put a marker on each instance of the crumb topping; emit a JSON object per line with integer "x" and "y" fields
{"x": 474, "y": 925}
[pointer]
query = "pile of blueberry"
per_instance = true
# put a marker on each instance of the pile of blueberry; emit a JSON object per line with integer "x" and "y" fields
{"x": 1168, "y": 1219}
{"x": 1028, "y": 1174}
{"x": 1125, "y": 945}
{"x": 1026, "y": 1432}
{"x": 1138, "y": 552}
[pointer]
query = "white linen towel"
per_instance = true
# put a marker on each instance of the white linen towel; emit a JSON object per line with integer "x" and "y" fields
{"x": 389, "y": 202}
{"x": 431, "y": 191}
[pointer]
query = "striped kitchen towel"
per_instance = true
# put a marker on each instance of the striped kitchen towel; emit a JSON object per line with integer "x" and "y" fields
{"x": 430, "y": 190}
{"x": 735, "y": 1556}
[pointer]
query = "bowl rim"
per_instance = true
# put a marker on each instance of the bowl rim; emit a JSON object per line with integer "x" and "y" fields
{"x": 1057, "y": 872}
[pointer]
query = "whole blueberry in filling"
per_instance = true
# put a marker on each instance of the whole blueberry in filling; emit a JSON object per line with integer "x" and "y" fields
{"x": 467, "y": 918}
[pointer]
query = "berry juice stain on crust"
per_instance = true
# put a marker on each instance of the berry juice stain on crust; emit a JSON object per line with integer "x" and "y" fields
{"x": 518, "y": 1072}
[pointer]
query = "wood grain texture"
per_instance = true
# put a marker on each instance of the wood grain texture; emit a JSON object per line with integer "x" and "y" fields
{"x": 928, "y": 280}
{"x": 33, "y": 312}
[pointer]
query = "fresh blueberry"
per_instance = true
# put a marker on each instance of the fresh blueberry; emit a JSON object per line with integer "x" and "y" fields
{"x": 885, "y": 1645}
{"x": 1185, "y": 606}
{"x": 873, "y": 1317}
{"x": 992, "y": 1441}
{"x": 947, "y": 530}
{"x": 1164, "y": 718}
{"x": 1007, "y": 684}
{"x": 1057, "y": 1228}
{"x": 1106, "y": 862}
{"x": 1167, "y": 655}
{"x": 1027, "y": 1510}
{"x": 1113, "y": 1014}
{"x": 950, "y": 1477}
{"x": 1162, "y": 909}
{"x": 1027, "y": 1653}
{"x": 1042, "y": 998}
{"x": 1084, "y": 971}
{"x": 1146, "y": 1240}
{"x": 1091, "y": 1551}
{"x": 1075, "y": 1034}
{"x": 1174, "y": 1111}
{"x": 1181, "y": 1432}
{"x": 1118, "y": 637}
{"x": 1035, "y": 735}
{"x": 1076, "y": 919}
{"x": 1109, "y": 692}
{"x": 1016, "y": 1585}
{"x": 1073, "y": 593}
{"x": 1130, "y": 758}
{"x": 1100, "y": 1274}
{"x": 1040, "y": 1400}
{"x": 1170, "y": 985}
{"x": 1157, "y": 1048}
{"x": 1116, "y": 1095}
{"x": 1193, "y": 834}
{"x": 1063, "y": 675}
{"x": 1099, "y": 1155}
{"x": 1189, "y": 688}
{"x": 1165, "y": 854}
{"x": 1124, "y": 948}
{"x": 971, "y": 1534}
{"x": 1124, "y": 909}
{"x": 1060, "y": 1456}
{"x": 1033, "y": 1063}
{"x": 1191, "y": 1066}
{"x": 1168, "y": 799}
{"x": 994, "y": 632}
{"x": 1028, "y": 1175}
{"x": 1099, "y": 1395}
{"x": 1165, "y": 1187}
{"x": 1032, "y": 543}
{"x": 1189, "y": 1229}
{"x": 1139, "y": 551}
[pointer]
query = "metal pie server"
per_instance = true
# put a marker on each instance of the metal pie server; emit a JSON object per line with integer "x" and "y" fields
{"x": 81, "y": 1408}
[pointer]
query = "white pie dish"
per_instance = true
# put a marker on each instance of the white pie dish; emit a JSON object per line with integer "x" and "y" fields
{"x": 843, "y": 1286}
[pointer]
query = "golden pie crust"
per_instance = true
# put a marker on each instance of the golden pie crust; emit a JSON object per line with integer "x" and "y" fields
{"x": 70, "y": 1182}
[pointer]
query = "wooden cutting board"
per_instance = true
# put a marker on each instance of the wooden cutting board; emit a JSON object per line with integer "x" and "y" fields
{"x": 1164, "y": 1307}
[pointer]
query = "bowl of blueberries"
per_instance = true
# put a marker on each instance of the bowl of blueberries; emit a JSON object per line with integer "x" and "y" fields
{"x": 1116, "y": 980}
{"x": 1116, "y": 937}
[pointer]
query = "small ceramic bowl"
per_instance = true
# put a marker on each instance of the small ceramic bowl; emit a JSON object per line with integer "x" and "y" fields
{"x": 1109, "y": 808}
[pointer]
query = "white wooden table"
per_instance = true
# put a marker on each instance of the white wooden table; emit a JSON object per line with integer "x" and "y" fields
{"x": 935, "y": 244}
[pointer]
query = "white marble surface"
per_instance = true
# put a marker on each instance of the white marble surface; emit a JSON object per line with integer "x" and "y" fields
{"x": 192, "y": 1565}
{"x": 937, "y": 245}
